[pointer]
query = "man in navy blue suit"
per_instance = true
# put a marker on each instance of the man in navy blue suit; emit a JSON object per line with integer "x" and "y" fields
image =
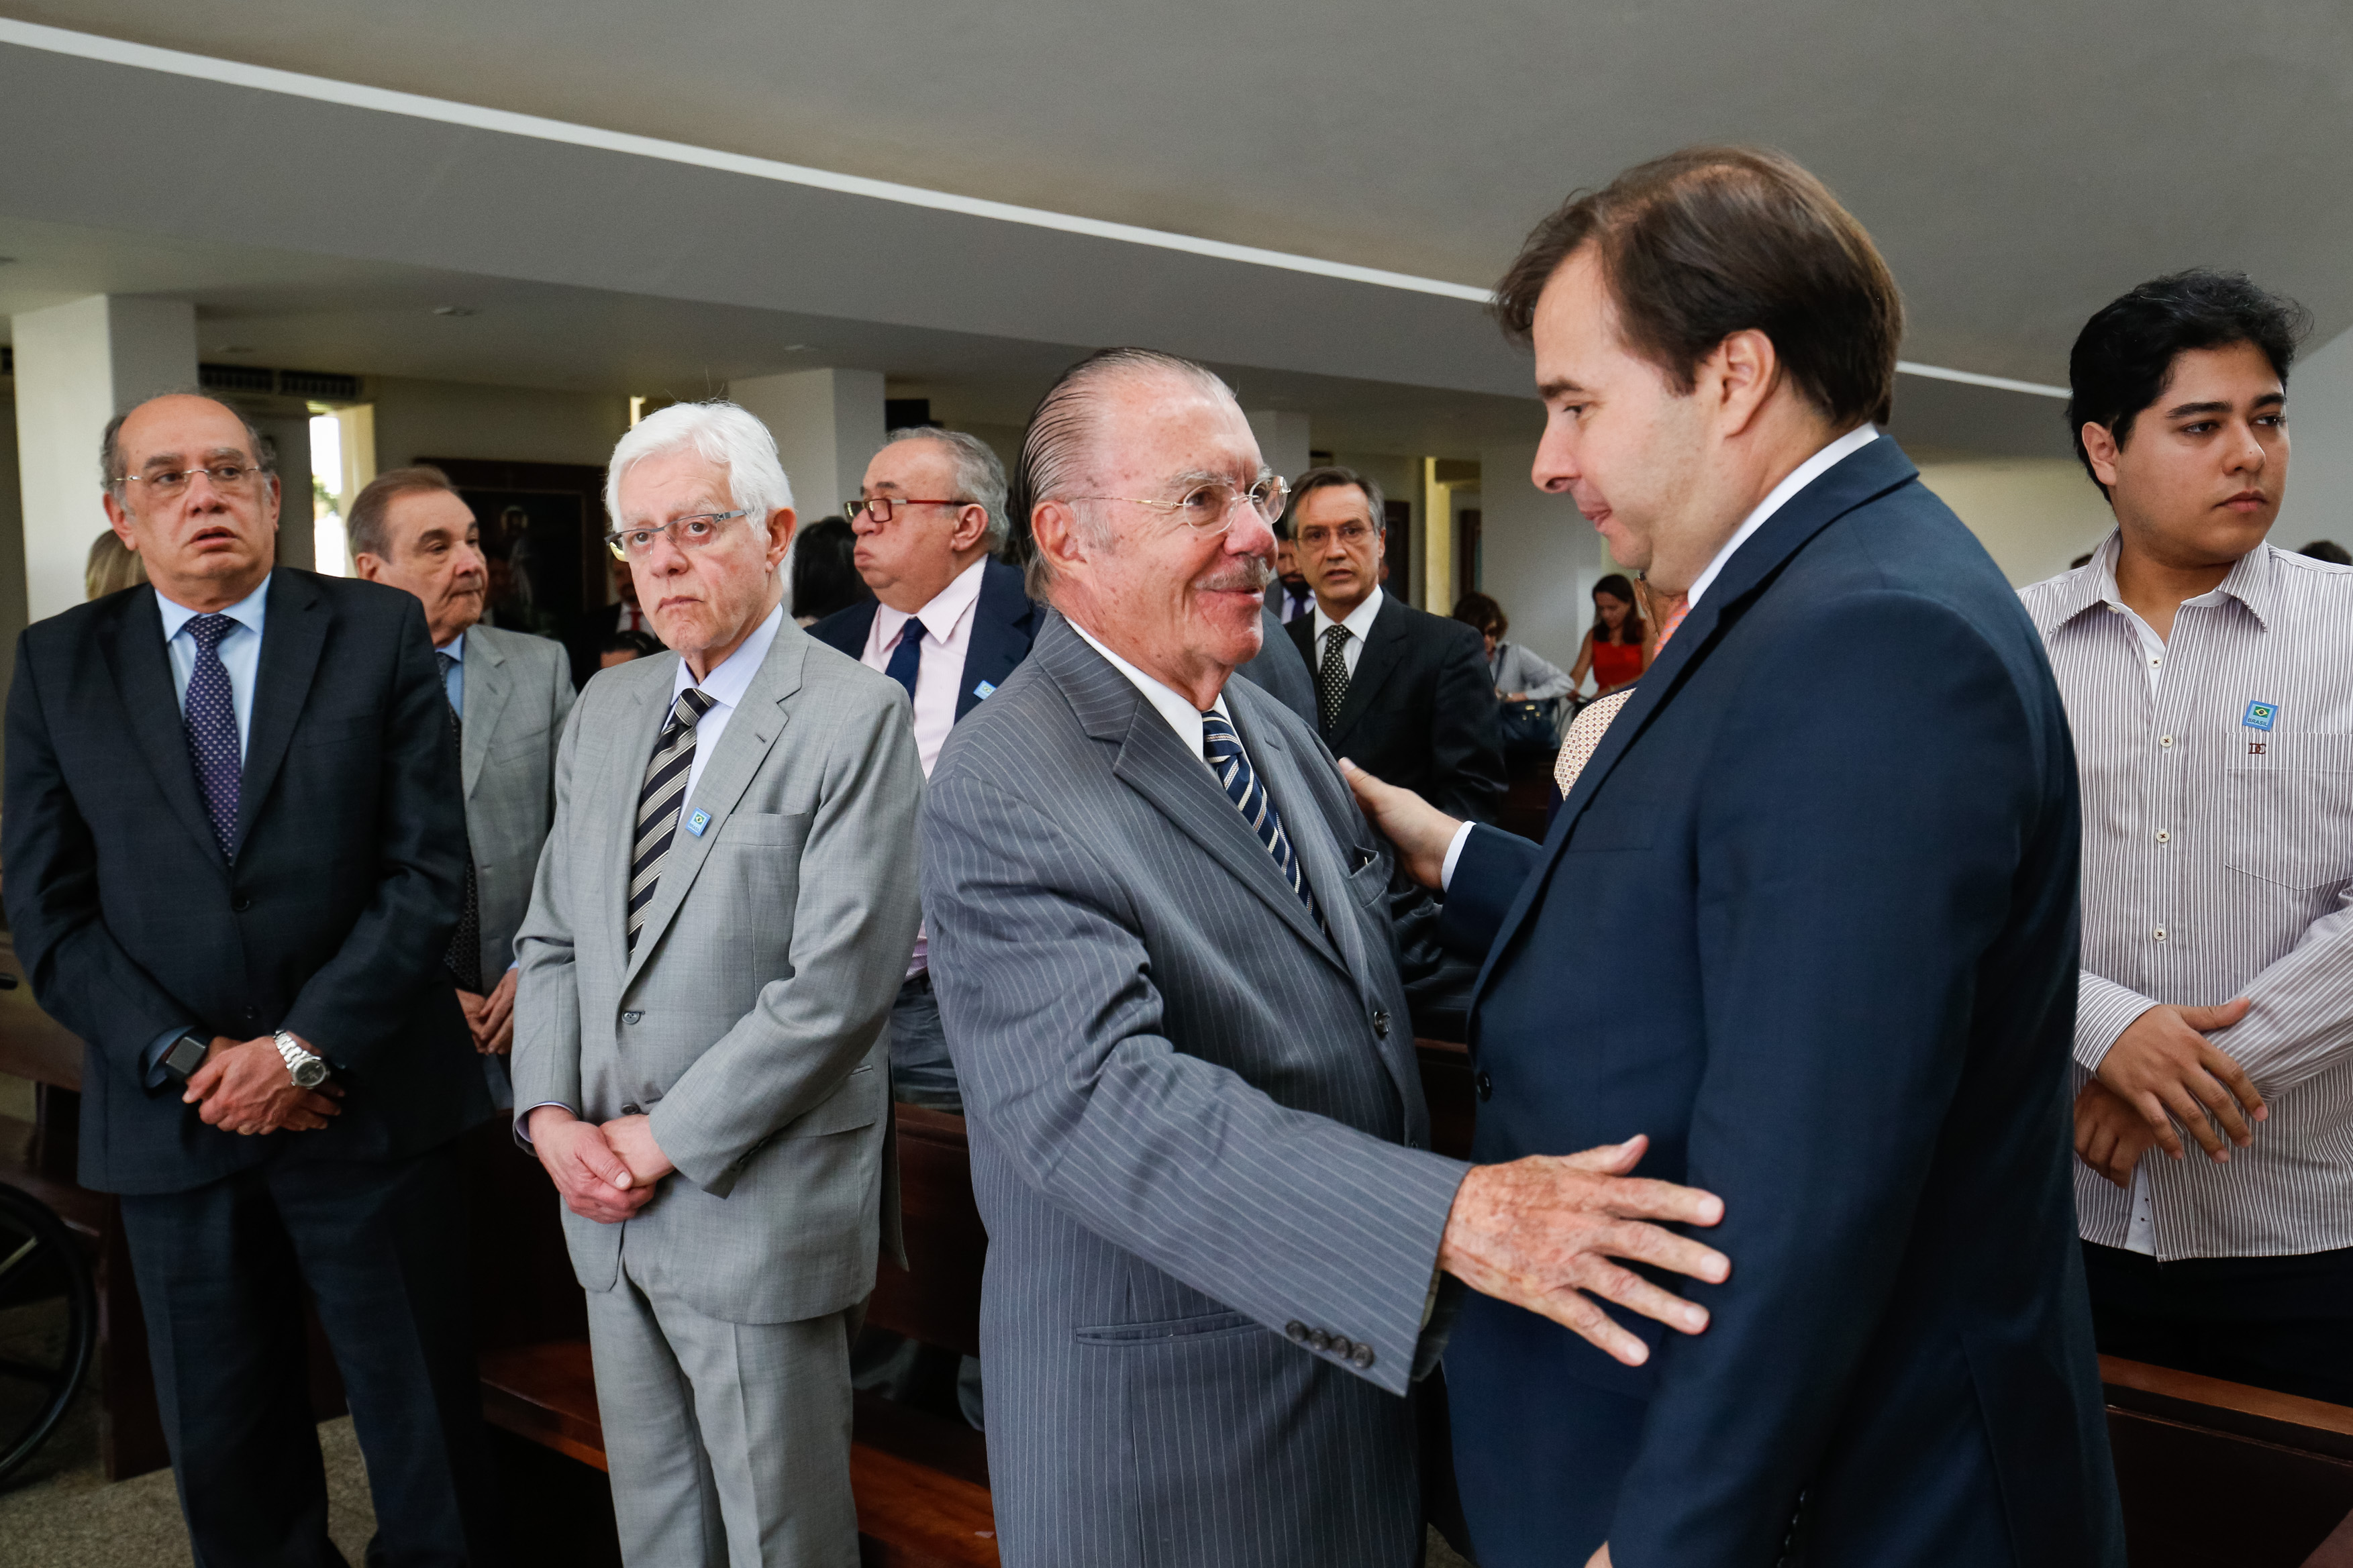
{"x": 1827, "y": 847}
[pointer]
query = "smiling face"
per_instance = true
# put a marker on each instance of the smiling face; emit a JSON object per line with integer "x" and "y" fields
{"x": 1182, "y": 605}
{"x": 209, "y": 546}
{"x": 437, "y": 554}
{"x": 705, "y": 601}
{"x": 2201, "y": 473}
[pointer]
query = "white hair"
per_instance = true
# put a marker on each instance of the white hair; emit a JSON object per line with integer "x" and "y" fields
{"x": 718, "y": 430}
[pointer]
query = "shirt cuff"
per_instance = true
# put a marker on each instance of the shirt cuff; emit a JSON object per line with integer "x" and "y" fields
{"x": 152, "y": 1075}
{"x": 522, "y": 1121}
{"x": 2104, "y": 1010}
{"x": 1454, "y": 853}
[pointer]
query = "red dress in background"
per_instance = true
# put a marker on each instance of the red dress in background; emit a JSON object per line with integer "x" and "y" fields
{"x": 1615, "y": 663}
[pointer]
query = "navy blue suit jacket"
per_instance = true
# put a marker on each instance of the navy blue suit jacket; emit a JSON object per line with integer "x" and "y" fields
{"x": 1004, "y": 621}
{"x": 1809, "y": 921}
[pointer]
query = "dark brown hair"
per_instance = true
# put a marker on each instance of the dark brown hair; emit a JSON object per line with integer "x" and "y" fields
{"x": 1331, "y": 476}
{"x": 1711, "y": 241}
{"x": 363, "y": 524}
{"x": 1631, "y": 631}
{"x": 1483, "y": 613}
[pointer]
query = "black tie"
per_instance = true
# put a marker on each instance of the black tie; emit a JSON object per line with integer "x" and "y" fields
{"x": 1332, "y": 677}
{"x": 465, "y": 958}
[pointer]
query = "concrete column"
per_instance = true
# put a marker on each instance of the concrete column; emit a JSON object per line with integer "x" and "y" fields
{"x": 1541, "y": 556}
{"x": 826, "y": 424}
{"x": 1281, "y": 439}
{"x": 1437, "y": 541}
{"x": 79, "y": 365}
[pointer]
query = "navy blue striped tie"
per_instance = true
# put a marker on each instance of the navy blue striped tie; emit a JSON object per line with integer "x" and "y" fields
{"x": 1232, "y": 765}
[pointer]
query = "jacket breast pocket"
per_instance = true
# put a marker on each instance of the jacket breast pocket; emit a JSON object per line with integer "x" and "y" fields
{"x": 1371, "y": 879}
{"x": 2288, "y": 816}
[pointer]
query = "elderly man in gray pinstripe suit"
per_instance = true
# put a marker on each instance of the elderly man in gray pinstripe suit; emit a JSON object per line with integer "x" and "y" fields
{"x": 1161, "y": 942}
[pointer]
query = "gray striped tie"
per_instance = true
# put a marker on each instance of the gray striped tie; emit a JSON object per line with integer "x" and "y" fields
{"x": 659, "y": 801}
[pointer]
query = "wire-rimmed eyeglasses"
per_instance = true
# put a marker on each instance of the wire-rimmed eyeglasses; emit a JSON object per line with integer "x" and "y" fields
{"x": 1209, "y": 507}
{"x": 233, "y": 479}
{"x": 695, "y": 532}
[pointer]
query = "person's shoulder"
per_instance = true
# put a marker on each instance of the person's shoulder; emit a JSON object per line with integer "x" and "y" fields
{"x": 1004, "y": 739}
{"x": 833, "y": 676}
{"x": 353, "y": 597}
{"x": 1436, "y": 630}
{"x": 95, "y": 618}
{"x": 524, "y": 648}
{"x": 623, "y": 683}
{"x": 845, "y": 630}
{"x": 2307, "y": 575}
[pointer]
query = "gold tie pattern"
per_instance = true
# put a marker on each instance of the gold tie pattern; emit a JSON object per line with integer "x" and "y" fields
{"x": 1585, "y": 732}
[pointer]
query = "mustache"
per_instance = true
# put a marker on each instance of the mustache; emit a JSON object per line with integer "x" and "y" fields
{"x": 1249, "y": 575}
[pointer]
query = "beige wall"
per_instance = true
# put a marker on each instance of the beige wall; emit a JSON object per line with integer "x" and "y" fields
{"x": 523, "y": 425}
{"x": 2032, "y": 514}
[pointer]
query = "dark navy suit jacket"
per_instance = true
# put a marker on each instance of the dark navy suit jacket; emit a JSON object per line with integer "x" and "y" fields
{"x": 1004, "y": 622}
{"x": 1809, "y": 921}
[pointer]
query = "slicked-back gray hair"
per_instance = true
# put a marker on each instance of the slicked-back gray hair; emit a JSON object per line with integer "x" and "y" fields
{"x": 979, "y": 477}
{"x": 109, "y": 454}
{"x": 1059, "y": 450}
{"x": 718, "y": 430}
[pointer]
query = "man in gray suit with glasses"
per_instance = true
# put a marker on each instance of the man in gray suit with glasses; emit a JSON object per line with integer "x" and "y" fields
{"x": 719, "y": 927}
{"x": 1219, "y": 1247}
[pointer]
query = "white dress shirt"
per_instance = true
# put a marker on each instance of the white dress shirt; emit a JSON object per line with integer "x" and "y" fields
{"x": 240, "y": 653}
{"x": 725, "y": 687}
{"x": 1798, "y": 478}
{"x": 1360, "y": 626}
{"x": 1169, "y": 703}
{"x": 939, "y": 676}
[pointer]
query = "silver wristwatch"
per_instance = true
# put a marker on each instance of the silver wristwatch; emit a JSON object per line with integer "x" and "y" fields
{"x": 309, "y": 1070}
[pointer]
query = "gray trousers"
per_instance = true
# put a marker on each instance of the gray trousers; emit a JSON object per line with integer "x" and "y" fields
{"x": 728, "y": 1442}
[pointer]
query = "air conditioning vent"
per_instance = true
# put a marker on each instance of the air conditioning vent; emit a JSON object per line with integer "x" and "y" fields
{"x": 236, "y": 378}
{"x": 324, "y": 385}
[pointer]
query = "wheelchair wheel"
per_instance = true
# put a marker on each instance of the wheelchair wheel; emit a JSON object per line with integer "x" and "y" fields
{"x": 48, "y": 1324}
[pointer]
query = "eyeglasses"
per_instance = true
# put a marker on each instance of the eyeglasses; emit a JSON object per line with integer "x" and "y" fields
{"x": 1209, "y": 507}
{"x": 1349, "y": 534}
{"x": 882, "y": 506}
{"x": 696, "y": 533}
{"x": 232, "y": 478}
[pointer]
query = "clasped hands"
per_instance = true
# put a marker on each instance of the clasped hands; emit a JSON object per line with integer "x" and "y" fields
{"x": 2162, "y": 1070}
{"x": 244, "y": 1088}
{"x": 490, "y": 1018}
{"x": 605, "y": 1170}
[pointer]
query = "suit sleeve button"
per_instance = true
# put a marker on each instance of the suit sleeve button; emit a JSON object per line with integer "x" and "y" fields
{"x": 1319, "y": 1339}
{"x": 1296, "y": 1332}
{"x": 1362, "y": 1356}
{"x": 1342, "y": 1348}
{"x": 1484, "y": 1085}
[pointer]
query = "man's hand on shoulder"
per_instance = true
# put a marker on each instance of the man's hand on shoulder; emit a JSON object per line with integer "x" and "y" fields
{"x": 1540, "y": 1232}
{"x": 2164, "y": 1068}
{"x": 1419, "y": 830}
{"x": 2110, "y": 1136}
{"x": 244, "y": 1088}
{"x": 594, "y": 1181}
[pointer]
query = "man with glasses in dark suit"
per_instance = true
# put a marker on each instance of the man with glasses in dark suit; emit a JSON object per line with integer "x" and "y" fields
{"x": 236, "y": 847}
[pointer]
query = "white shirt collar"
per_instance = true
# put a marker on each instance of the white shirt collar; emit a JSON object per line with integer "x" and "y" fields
{"x": 949, "y": 606}
{"x": 246, "y": 612}
{"x": 1360, "y": 619}
{"x": 1801, "y": 476}
{"x": 1175, "y": 708}
{"x": 726, "y": 684}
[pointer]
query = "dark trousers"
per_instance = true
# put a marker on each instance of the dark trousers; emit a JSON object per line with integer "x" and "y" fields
{"x": 2283, "y": 1324}
{"x": 381, "y": 1245}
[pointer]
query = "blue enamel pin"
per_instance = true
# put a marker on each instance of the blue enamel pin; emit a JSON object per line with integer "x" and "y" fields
{"x": 698, "y": 822}
{"x": 2261, "y": 715}
{"x": 983, "y": 689}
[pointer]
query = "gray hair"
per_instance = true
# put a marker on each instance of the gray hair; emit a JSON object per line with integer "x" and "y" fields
{"x": 1332, "y": 476}
{"x": 110, "y": 451}
{"x": 1058, "y": 453}
{"x": 720, "y": 432}
{"x": 979, "y": 477}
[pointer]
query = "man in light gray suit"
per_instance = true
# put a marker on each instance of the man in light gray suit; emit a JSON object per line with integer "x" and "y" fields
{"x": 509, "y": 694}
{"x": 1161, "y": 941}
{"x": 719, "y": 927}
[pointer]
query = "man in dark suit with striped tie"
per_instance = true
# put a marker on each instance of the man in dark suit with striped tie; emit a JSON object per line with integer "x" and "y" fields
{"x": 235, "y": 848}
{"x": 1219, "y": 1241}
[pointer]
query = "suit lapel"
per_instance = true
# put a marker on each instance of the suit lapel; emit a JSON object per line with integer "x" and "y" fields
{"x": 1384, "y": 647}
{"x": 1000, "y": 634}
{"x": 294, "y": 633}
{"x": 752, "y": 730}
{"x": 1311, "y": 834}
{"x": 142, "y": 669}
{"x": 487, "y": 685}
{"x": 1155, "y": 765}
{"x": 1865, "y": 475}
{"x": 847, "y": 631}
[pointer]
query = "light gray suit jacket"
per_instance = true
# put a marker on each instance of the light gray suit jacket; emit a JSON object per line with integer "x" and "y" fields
{"x": 749, "y": 1021}
{"x": 518, "y": 693}
{"x": 1199, "y": 1138}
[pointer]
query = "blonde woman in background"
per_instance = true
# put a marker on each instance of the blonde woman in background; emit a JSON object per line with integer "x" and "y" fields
{"x": 113, "y": 567}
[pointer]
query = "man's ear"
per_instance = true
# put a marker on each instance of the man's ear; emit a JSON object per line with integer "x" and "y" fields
{"x": 971, "y": 528}
{"x": 1741, "y": 373}
{"x": 1053, "y": 529}
{"x": 781, "y": 523}
{"x": 118, "y": 519}
{"x": 367, "y": 567}
{"x": 2102, "y": 448}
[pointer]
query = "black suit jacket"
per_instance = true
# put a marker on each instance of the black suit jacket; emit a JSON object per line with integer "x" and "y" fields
{"x": 1004, "y": 624}
{"x": 1278, "y": 672}
{"x": 331, "y": 923}
{"x": 1420, "y": 710}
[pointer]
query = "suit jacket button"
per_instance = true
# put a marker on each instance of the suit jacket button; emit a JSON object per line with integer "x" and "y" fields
{"x": 633, "y": 1108}
{"x": 1381, "y": 1022}
{"x": 1296, "y": 1332}
{"x": 631, "y": 1017}
{"x": 240, "y": 904}
{"x": 1362, "y": 1356}
{"x": 1319, "y": 1339}
{"x": 1484, "y": 1085}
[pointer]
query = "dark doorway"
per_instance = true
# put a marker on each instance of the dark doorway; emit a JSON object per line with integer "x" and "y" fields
{"x": 542, "y": 529}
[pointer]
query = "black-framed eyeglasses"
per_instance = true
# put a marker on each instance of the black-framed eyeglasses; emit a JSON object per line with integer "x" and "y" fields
{"x": 883, "y": 506}
{"x": 695, "y": 532}
{"x": 233, "y": 479}
{"x": 1209, "y": 507}
{"x": 1349, "y": 534}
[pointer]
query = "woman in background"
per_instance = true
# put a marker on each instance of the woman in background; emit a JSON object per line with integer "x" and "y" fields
{"x": 1616, "y": 650}
{"x": 825, "y": 575}
{"x": 1519, "y": 676}
{"x": 113, "y": 567}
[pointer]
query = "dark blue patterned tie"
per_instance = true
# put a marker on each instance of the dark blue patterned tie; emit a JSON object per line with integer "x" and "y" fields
{"x": 1232, "y": 766}
{"x": 907, "y": 659}
{"x": 209, "y": 715}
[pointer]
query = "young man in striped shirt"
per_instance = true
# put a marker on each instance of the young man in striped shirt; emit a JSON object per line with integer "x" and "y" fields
{"x": 2208, "y": 682}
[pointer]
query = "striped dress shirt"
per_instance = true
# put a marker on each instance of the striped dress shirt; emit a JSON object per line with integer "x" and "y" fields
{"x": 2217, "y": 776}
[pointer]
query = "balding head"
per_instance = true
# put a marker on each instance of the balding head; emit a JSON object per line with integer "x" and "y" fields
{"x": 188, "y": 488}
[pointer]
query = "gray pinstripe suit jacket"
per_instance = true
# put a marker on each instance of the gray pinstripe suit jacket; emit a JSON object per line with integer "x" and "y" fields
{"x": 749, "y": 1022}
{"x": 1195, "y": 1126}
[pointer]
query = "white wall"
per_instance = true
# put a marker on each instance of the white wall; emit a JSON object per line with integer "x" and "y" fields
{"x": 2033, "y": 515}
{"x": 522, "y": 424}
{"x": 1282, "y": 439}
{"x": 1541, "y": 556}
{"x": 828, "y": 425}
{"x": 2320, "y": 448}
